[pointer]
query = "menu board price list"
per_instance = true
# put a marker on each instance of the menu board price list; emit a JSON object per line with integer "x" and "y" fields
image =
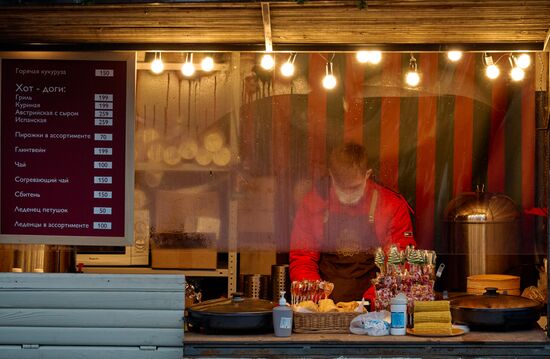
{"x": 63, "y": 147}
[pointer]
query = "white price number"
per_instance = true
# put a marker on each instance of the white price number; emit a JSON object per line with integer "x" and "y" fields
{"x": 103, "y": 164}
{"x": 104, "y": 151}
{"x": 104, "y": 73}
{"x": 103, "y": 105}
{"x": 103, "y": 194}
{"x": 103, "y": 97}
{"x": 103, "y": 121}
{"x": 102, "y": 225}
{"x": 103, "y": 136}
{"x": 103, "y": 113}
{"x": 103, "y": 180}
{"x": 103, "y": 210}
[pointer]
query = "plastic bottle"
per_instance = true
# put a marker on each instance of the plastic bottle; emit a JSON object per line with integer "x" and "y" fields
{"x": 399, "y": 315}
{"x": 282, "y": 318}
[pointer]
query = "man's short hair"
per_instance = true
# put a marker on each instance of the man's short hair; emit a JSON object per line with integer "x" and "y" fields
{"x": 348, "y": 160}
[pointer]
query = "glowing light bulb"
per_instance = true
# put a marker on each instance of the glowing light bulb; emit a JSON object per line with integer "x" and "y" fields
{"x": 492, "y": 71}
{"x": 329, "y": 82}
{"x": 188, "y": 69}
{"x": 287, "y": 69}
{"x": 517, "y": 74}
{"x": 157, "y": 66}
{"x": 207, "y": 64}
{"x": 523, "y": 61}
{"x": 363, "y": 56}
{"x": 412, "y": 78}
{"x": 375, "y": 57}
{"x": 454, "y": 55}
{"x": 267, "y": 62}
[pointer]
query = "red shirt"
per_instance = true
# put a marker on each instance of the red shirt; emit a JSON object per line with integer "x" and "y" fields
{"x": 391, "y": 220}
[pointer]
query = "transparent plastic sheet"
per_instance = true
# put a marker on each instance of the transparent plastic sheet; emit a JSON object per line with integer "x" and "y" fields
{"x": 455, "y": 132}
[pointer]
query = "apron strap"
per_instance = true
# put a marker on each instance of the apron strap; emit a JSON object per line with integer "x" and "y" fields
{"x": 373, "y": 202}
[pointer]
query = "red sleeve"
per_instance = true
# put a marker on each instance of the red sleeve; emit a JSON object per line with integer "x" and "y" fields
{"x": 399, "y": 228}
{"x": 304, "y": 253}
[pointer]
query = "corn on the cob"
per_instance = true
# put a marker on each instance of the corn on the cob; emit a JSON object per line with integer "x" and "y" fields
{"x": 433, "y": 328}
{"x": 432, "y": 317}
{"x": 432, "y": 306}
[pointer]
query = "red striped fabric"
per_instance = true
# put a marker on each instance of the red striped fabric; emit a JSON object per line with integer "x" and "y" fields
{"x": 496, "y": 166}
{"x": 463, "y": 131}
{"x": 528, "y": 135}
{"x": 353, "y": 101}
{"x": 389, "y": 126}
{"x": 425, "y": 155}
{"x": 317, "y": 117}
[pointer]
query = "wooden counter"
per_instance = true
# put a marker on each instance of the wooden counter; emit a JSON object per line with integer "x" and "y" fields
{"x": 527, "y": 343}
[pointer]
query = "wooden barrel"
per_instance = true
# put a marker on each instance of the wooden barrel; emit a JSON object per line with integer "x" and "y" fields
{"x": 476, "y": 284}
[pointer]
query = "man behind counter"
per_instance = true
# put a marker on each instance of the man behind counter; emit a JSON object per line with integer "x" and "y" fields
{"x": 342, "y": 221}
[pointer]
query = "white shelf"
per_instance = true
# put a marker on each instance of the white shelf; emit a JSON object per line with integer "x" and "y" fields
{"x": 147, "y": 270}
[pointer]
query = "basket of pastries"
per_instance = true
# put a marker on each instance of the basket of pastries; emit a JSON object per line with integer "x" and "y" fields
{"x": 314, "y": 312}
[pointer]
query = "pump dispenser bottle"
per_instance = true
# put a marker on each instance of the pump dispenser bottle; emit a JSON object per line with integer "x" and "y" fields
{"x": 282, "y": 318}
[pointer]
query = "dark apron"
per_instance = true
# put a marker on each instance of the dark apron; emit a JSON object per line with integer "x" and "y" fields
{"x": 349, "y": 263}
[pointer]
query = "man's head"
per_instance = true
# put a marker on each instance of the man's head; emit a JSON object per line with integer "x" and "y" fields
{"x": 349, "y": 172}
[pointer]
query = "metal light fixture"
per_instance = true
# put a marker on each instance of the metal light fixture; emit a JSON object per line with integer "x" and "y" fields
{"x": 188, "y": 69}
{"x": 329, "y": 81}
{"x": 157, "y": 66}
{"x": 287, "y": 69}
{"x": 412, "y": 77}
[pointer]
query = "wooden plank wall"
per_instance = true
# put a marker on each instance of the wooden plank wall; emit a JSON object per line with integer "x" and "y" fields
{"x": 115, "y": 315}
{"x": 314, "y": 22}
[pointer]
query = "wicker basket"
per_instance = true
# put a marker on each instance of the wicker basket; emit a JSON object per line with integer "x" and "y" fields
{"x": 331, "y": 322}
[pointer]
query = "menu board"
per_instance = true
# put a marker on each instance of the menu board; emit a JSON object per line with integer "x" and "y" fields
{"x": 66, "y": 149}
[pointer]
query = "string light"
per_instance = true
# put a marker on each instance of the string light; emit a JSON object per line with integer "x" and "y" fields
{"x": 517, "y": 72}
{"x": 329, "y": 81}
{"x": 523, "y": 61}
{"x": 412, "y": 77}
{"x": 454, "y": 55}
{"x": 188, "y": 69}
{"x": 287, "y": 69}
{"x": 267, "y": 62}
{"x": 157, "y": 66}
{"x": 374, "y": 57}
{"x": 491, "y": 71}
{"x": 207, "y": 64}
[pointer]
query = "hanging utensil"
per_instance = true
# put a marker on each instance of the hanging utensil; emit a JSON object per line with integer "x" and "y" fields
{"x": 170, "y": 155}
{"x": 188, "y": 148}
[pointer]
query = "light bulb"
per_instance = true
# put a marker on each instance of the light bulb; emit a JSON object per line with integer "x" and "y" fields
{"x": 287, "y": 69}
{"x": 517, "y": 74}
{"x": 412, "y": 78}
{"x": 207, "y": 64}
{"x": 454, "y": 55}
{"x": 375, "y": 57}
{"x": 267, "y": 62}
{"x": 188, "y": 69}
{"x": 157, "y": 66}
{"x": 329, "y": 82}
{"x": 492, "y": 71}
{"x": 363, "y": 56}
{"x": 523, "y": 61}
